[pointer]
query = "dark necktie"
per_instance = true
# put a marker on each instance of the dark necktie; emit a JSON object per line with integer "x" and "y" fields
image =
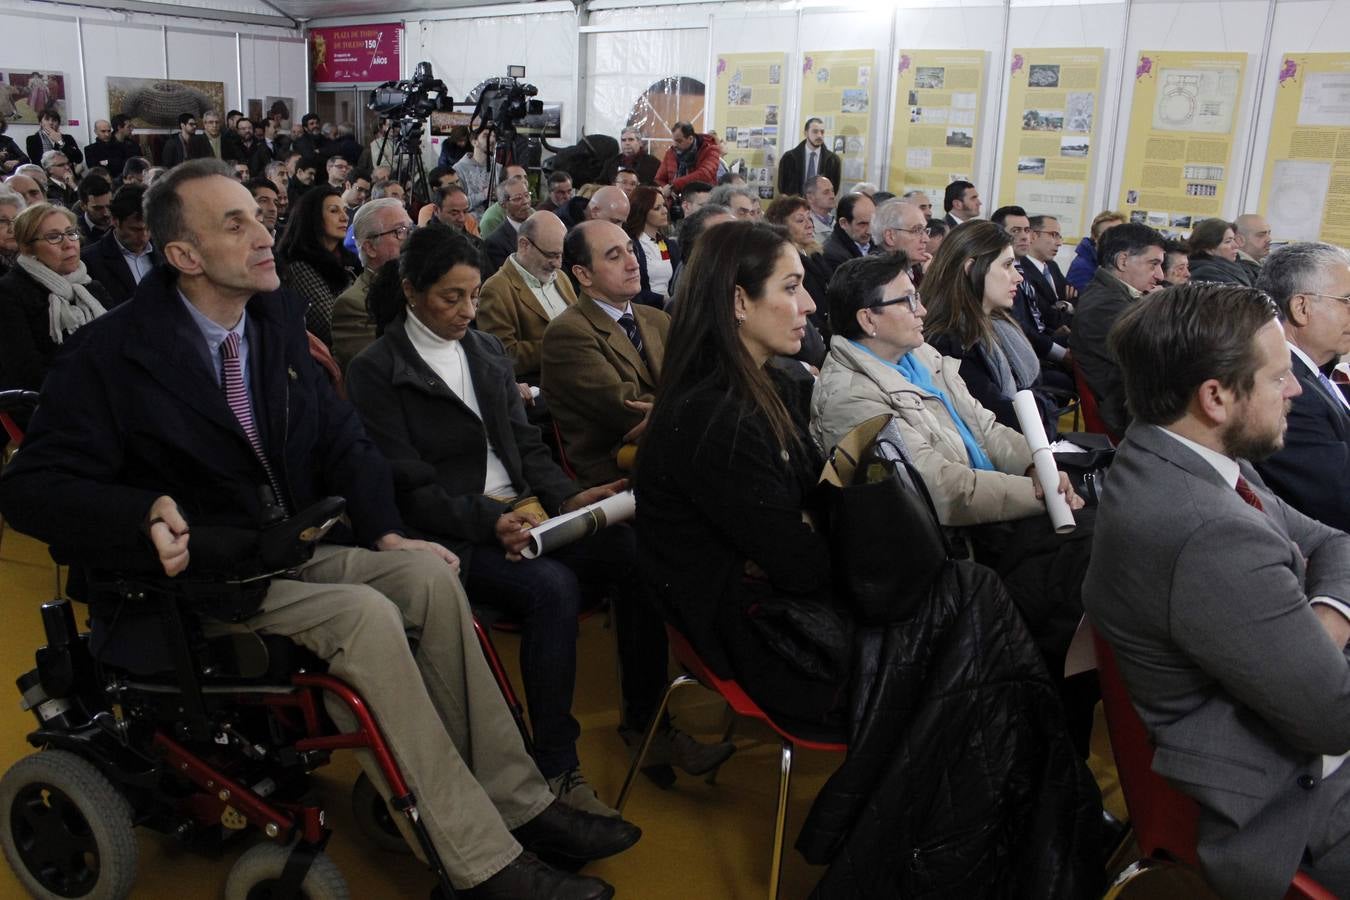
{"x": 236, "y": 395}
{"x": 1029, "y": 295}
{"x": 630, "y": 328}
{"x": 1246, "y": 493}
{"x": 810, "y": 170}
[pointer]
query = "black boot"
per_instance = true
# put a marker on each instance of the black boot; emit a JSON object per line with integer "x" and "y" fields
{"x": 527, "y": 876}
{"x": 567, "y": 834}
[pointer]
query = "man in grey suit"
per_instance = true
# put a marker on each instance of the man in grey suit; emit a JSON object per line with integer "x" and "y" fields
{"x": 1226, "y": 608}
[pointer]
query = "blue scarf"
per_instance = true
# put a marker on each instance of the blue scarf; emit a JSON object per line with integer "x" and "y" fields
{"x": 918, "y": 375}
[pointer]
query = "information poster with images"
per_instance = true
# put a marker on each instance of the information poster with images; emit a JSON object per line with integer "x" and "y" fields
{"x": 1178, "y": 160}
{"x": 937, "y": 118}
{"x": 749, "y": 109}
{"x": 1050, "y": 140}
{"x": 1306, "y": 192}
{"x": 838, "y": 88}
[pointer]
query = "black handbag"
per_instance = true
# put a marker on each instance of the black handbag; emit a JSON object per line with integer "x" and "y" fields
{"x": 887, "y": 545}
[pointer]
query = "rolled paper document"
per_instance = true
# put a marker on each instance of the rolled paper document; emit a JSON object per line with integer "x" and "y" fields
{"x": 560, "y": 531}
{"x": 1047, "y": 473}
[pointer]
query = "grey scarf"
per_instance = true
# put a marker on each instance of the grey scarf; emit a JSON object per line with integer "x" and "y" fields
{"x": 1024, "y": 369}
{"x": 69, "y": 303}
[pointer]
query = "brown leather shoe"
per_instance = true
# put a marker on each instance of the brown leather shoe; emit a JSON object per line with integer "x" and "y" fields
{"x": 528, "y": 876}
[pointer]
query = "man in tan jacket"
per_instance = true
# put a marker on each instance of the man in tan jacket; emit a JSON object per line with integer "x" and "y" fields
{"x": 602, "y": 357}
{"x": 517, "y": 303}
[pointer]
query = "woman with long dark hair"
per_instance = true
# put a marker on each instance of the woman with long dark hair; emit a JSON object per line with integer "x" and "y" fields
{"x": 658, "y": 255}
{"x": 969, "y": 289}
{"x": 314, "y": 263}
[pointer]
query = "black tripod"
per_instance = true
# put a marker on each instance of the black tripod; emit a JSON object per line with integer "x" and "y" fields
{"x": 406, "y": 166}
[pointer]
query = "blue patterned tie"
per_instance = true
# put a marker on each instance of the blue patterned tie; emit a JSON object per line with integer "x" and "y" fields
{"x": 630, "y": 328}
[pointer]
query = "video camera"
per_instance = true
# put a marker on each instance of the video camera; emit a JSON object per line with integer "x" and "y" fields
{"x": 412, "y": 98}
{"x": 505, "y": 101}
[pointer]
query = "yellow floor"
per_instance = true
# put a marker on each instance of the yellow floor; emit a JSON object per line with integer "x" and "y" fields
{"x": 699, "y": 841}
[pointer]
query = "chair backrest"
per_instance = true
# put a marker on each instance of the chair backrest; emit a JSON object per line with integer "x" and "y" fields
{"x": 1164, "y": 819}
{"x": 733, "y": 693}
{"x": 1087, "y": 404}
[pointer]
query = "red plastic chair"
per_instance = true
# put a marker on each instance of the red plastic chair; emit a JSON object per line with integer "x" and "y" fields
{"x": 11, "y": 402}
{"x": 1164, "y": 819}
{"x": 741, "y": 705}
{"x": 1087, "y": 405}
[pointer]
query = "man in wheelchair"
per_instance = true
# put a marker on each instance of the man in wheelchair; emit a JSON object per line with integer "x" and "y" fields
{"x": 198, "y": 406}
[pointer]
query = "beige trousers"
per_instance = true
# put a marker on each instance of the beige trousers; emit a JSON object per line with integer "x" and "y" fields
{"x": 439, "y": 708}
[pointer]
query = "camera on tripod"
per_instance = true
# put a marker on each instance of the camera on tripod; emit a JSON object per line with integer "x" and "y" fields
{"x": 412, "y": 98}
{"x": 504, "y": 102}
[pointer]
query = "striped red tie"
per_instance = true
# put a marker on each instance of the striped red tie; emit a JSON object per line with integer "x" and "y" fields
{"x": 237, "y": 396}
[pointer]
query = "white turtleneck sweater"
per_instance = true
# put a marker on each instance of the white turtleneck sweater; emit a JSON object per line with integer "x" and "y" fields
{"x": 448, "y": 360}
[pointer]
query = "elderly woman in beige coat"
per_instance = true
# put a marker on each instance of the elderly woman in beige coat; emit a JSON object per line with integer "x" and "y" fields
{"x": 976, "y": 469}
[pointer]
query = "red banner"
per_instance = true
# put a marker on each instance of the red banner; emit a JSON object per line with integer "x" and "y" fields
{"x": 356, "y": 53}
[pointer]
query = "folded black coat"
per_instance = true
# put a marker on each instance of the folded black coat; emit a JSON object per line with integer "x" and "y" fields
{"x": 960, "y": 779}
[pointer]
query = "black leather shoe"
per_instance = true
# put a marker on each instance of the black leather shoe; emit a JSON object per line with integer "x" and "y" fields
{"x": 565, "y": 833}
{"x": 527, "y": 876}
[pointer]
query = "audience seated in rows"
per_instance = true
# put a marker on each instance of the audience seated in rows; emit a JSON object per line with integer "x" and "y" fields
{"x": 123, "y": 475}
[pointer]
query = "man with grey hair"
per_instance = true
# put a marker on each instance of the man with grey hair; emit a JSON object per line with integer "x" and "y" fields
{"x": 517, "y": 303}
{"x": 900, "y": 225}
{"x": 609, "y": 204}
{"x": 387, "y": 188}
{"x": 632, "y": 155}
{"x": 1310, "y": 283}
{"x": 380, "y": 227}
{"x": 517, "y": 206}
{"x": 496, "y": 213}
{"x": 61, "y": 188}
{"x": 742, "y": 201}
{"x": 27, "y": 187}
{"x": 11, "y": 204}
{"x": 920, "y": 199}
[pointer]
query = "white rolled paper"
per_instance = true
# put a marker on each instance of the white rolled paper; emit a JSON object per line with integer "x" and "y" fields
{"x": 1047, "y": 473}
{"x": 569, "y": 527}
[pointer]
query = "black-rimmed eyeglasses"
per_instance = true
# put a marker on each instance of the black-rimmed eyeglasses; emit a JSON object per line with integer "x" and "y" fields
{"x": 400, "y": 233}
{"x": 914, "y": 300}
{"x": 551, "y": 257}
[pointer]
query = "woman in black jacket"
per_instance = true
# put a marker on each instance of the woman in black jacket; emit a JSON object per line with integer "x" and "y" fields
{"x": 441, "y": 401}
{"x": 314, "y": 263}
{"x": 11, "y": 157}
{"x": 1214, "y": 254}
{"x": 969, "y": 288}
{"x": 45, "y": 297}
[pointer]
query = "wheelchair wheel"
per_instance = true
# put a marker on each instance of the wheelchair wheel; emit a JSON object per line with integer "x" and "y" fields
{"x": 66, "y": 831}
{"x": 374, "y": 818}
{"x": 255, "y": 874}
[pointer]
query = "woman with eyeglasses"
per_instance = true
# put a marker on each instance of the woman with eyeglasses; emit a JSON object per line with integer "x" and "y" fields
{"x": 976, "y": 470}
{"x": 314, "y": 262}
{"x": 1214, "y": 254}
{"x": 45, "y": 297}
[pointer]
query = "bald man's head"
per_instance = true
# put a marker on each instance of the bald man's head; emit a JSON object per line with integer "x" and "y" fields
{"x": 539, "y": 245}
{"x": 609, "y": 204}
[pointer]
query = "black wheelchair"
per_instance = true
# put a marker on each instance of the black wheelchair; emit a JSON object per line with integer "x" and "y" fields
{"x": 220, "y": 743}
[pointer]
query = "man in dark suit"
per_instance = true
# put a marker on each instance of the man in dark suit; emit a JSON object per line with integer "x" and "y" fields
{"x": 122, "y": 258}
{"x": 808, "y": 160}
{"x": 852, "y": 235}
{"x": 186, "y": 144}
{"x": 1226, "y": 608}
{"x": 1041, "y": 270}
{"x": 1040, "y": 328}
{"x": 961, "y": 202}
{"x": 601, "y": 357}
{"x": 106, "y": 150}
{"x": 1131, "y": 258}
{"x": 93, "y": 214}
{"x": 1310, "y": 283}
{"x": 118, "y": 478}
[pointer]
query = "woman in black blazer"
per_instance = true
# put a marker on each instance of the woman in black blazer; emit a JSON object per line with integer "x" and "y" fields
{"x": 45, "y": 297}
{"x": 49, "y": 137}
{"x": 440, "y": 400}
